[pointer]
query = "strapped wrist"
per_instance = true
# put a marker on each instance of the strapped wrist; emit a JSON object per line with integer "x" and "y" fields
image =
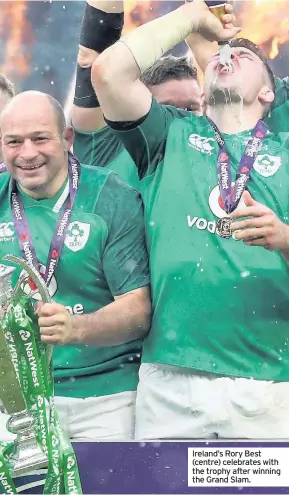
{"x": 99, "y": 29}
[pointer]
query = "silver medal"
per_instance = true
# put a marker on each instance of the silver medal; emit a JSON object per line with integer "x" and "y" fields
{"x": 223, "y": 227}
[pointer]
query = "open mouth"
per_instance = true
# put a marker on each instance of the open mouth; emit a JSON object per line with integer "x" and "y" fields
{"x": 226, "y": 69}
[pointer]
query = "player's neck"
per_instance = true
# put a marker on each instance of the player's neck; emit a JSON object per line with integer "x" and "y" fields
{"x": 48, "y": 190}
{"x": 233, "y": 118}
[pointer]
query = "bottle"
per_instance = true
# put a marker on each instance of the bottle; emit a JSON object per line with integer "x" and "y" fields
{"x": 217, "y": 7}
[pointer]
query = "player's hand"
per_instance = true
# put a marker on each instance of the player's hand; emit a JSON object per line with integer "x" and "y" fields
{"x": 260, "y": 227}
{"x": 213, "y": 29}
{"x": 56, "y": 324}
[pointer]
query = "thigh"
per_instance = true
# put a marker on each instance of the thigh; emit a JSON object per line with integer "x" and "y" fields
{"x": 167, "y": 406}
{"x": 258, "y": 409}
{"x": 61, "y": 406}
{"x": 106, "y": 418}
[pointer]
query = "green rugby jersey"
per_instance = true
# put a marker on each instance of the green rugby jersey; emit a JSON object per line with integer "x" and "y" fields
{"x": 278, "y": 118}
{"x": 219, "y": 306}
{"x": 281, "y": 92}
{"x": 101, "y": 148}
{"x": 104, "y": 255}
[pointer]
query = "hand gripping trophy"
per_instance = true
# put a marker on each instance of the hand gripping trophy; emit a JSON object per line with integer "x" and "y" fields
{"x": 26, "y": 389}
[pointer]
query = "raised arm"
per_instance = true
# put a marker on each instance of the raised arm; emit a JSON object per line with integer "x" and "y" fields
{"x": 101, "y": 27}
{"x": 116, "y": 72}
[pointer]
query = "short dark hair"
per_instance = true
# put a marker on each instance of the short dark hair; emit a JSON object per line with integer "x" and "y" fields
{"x": 6, "y": 86}
{"x": 245, "y": 43}
{"x": 168, "y": 68}
{"x": 59, "y": 113}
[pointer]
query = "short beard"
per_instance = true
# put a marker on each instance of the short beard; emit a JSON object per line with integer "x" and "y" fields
{"x": 37, "y": 187}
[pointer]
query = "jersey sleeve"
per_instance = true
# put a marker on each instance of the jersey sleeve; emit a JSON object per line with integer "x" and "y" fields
{"x": 97, "y": 148}
{"x": 145, "y": 140}
{"x": 125, "y": 258}
{"x": 281, "y": 92}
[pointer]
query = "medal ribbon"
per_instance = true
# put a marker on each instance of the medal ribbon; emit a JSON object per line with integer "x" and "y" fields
{"x": 22, "y": 228}
{"x": 231, "y": 199}
{"x": 6, "y": 481}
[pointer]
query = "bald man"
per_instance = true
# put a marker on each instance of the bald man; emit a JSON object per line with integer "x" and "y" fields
{"x": 97, "y": 274}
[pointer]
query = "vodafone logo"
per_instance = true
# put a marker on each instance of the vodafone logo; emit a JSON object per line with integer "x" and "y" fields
{"x": 216, "y": 203}
{"x": 28, "y": 286}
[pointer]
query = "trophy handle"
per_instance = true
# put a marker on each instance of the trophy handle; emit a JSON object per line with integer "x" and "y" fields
{"x": 33, "y": 273}
{"x": 39, "y": 282}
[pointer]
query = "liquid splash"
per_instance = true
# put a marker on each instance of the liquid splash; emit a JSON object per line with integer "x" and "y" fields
{"x": 226, "y": 56}
{"x": 227, "y": 91}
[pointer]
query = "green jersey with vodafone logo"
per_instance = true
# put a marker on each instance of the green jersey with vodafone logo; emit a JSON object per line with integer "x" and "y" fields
{"x": 219, "y": 306}
{"x": 103, "y": 256}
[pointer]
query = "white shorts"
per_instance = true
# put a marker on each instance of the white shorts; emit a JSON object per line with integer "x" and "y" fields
{"x": 175, "y": 403}
{"x": 107, "y": 418}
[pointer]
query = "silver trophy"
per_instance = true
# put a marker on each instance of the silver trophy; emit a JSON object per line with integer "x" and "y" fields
{"x": 28, "y": 454}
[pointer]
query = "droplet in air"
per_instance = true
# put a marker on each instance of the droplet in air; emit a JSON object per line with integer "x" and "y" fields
{"x": 245, "y": 274}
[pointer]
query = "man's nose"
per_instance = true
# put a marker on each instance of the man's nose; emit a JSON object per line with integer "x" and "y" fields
{"x": 28, "y": 150}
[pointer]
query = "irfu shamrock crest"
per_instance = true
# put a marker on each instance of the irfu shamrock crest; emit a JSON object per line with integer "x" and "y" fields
{"x": 75, "y": 231}
{"x": 77, "y": 235}
{"x": 267, "y": 165}
{"x": 267, "y": 162}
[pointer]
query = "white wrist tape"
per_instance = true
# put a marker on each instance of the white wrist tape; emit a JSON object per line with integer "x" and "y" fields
{"x": 150, "y": 41}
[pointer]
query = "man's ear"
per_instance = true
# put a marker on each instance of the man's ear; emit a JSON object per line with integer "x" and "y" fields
{"x": 266, "y": 96}
{"x": 203, "y": 104}
{"x": 68, "y": 137}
